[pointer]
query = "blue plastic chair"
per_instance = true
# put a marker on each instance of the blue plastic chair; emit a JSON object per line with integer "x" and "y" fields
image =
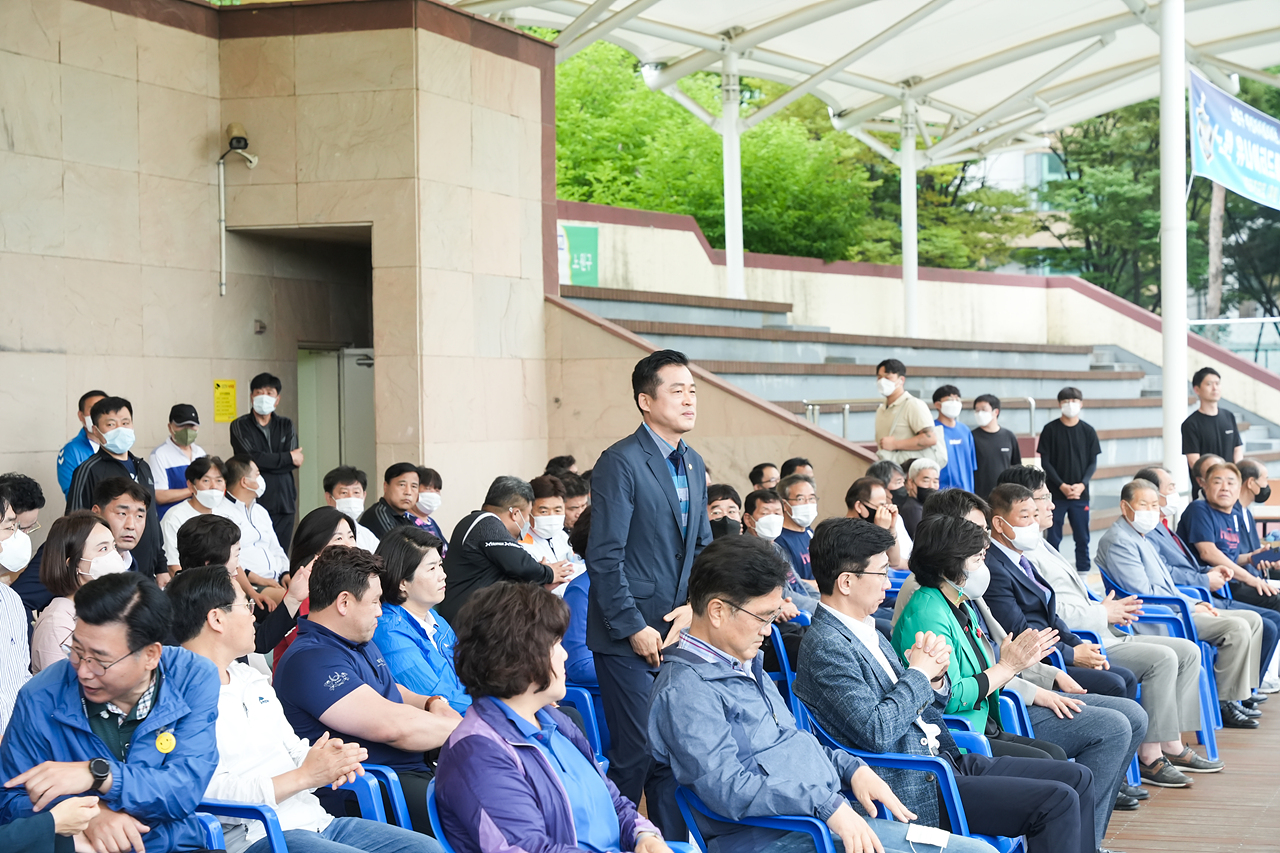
{"x": 212, "y": 830}
{"x": 580, "y": 699}
{"x": 786, "y": 676}
{"x": 1133, "y": 775}
{"x": 1013, "y": 712}
{"x": 390, "y": 780}
{"x": 690, "y": 805}
{"x": 264, "y": 813}
{"x": 597, "y": 703}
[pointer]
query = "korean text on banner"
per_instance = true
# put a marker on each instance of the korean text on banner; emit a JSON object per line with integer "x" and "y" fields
{"x": 1233, "y": 144}
{"x": 224, "y": 401}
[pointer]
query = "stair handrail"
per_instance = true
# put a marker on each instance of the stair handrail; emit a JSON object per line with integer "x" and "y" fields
{"x": 1031, "y": 401}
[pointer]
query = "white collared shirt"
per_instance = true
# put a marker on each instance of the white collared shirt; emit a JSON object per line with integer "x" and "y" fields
{"x": 865, "y": 632}
{"x": 260, "y": 550}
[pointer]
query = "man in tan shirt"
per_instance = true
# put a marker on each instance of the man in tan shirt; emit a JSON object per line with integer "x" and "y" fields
{"x": 904, "y": 425}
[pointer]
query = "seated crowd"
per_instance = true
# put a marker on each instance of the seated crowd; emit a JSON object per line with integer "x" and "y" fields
{"x": 180, "y": 639}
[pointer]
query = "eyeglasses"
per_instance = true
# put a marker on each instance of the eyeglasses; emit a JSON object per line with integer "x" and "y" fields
{"x": 870, "y": 574}
{"x": 807, "y": 499}
{"x": 97, "y": 667}
{"x": 248, "y": 605}
{"x": 763, "y": 620}
{"x": 1042, "y": 498}
{"x": 32, "y": 528}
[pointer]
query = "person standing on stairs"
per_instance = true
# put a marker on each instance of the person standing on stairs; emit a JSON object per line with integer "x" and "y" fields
{"x": 1210, "y": 429}
{"x": 1069, "y": 451}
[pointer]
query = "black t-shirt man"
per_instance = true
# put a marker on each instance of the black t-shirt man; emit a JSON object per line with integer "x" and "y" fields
{"x": 483, "y": 552}
{"x": 996, "y": 451}
{"x": 1069, "y": 454}
{"x": 1205, "y": 434}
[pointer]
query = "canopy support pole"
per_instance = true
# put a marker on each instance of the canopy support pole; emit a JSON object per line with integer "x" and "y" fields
{"x": 730, "y": 133}
{"x": 910, "y": 243}
{"x": 1173, "y": 231}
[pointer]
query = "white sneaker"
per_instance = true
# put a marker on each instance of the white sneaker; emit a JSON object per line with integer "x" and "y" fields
{"x": 1271, "y": 685}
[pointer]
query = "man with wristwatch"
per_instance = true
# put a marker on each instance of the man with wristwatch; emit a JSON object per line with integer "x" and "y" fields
{"x": 123, "y": 718}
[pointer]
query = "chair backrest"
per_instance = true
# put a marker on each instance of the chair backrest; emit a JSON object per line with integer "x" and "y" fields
{"x": 690, "y": 805}
{"x": 390, "y": 781}
{"x": 581, "y": 700}
{"x": 212, "y": 830}
{"x": 434, "y": 815}
{"x": 602, "y": 726}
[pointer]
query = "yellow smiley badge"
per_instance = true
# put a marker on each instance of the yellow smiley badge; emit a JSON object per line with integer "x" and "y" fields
{"x": 165, "y": 742}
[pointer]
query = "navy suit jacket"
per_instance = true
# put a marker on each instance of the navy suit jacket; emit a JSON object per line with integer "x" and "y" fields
{"x": 636, "y": 556}
{"x": 1018, "y": 605}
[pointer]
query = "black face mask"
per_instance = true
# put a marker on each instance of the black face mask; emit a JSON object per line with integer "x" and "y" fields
{"x": 1264, "y": 494}
{"x": 900, "y": 494}
{"x": 922, "y": 495}
{"x": 725, "y": 526}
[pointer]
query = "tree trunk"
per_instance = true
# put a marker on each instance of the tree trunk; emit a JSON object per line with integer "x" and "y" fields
{"x": 1217, "y": 207}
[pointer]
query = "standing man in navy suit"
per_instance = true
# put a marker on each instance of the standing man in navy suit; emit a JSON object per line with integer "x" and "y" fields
{"x": 648, "y": 522}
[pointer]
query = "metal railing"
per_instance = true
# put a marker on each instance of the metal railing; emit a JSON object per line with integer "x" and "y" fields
{"x": 813, "y": 411}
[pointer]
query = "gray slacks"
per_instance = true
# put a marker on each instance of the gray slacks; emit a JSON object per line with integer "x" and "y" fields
{"x": 1168, "y": 668}
{"x": 1238, "y": 636}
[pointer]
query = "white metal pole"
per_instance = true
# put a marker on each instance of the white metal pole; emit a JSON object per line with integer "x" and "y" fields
{"x": 910, "y": 244}
{"x": 729, "y": 132}
{"x": 222, "y": 226}
{"x": 1173, "y": 231}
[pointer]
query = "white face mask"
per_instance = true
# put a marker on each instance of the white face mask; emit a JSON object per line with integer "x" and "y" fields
{"x": 769, "y": 527}
{"x": 261, "y": 488}
{"x": 886, "y": 386}
{"x": 951, "y": 408}
{"x": 1025, "y": 538}
{"x": 350, "y": 507}
{"x": 88, "y": 424}
{"x": 1174, "y": 504}
{"x": 210, "y": 498}
{"x": 1145, "y": 520}
{"x": 104, "y": 564}
{"x": 804, "y": 514}
{"x": 428, "y": 502}
{"x": 264, "y": 404}
{"x": 546, "y": 526}
{"x": 1071, "y": 409}
{"x": 975, "y": 586}
{"x": 15, "y": 552}
{"x": 982, "y": 418}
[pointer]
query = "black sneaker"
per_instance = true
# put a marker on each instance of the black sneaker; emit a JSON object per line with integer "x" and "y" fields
{"x": 1162, "y": 774}
{"x": 1251, "y": 713}
{"x": 1189, "y": 762}
{"x": 1252, "y": 703}
{"x": 1233, "y": 717}
{"x": 1136, "y": 791}
{"x": 1126, "y": 803}
{"x": 1258, "y": 697}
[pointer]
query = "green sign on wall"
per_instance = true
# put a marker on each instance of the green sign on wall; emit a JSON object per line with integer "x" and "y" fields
{"x": 579, "y": 249}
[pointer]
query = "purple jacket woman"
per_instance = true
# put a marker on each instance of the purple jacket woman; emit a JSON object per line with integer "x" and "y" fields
{"x": 497, "y": 793}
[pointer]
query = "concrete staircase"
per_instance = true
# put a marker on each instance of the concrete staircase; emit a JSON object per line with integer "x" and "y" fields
{"x": 830, "y": 378}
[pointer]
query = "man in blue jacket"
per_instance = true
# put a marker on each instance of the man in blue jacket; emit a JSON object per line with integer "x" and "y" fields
{"x": 649, "y": 520}
{"x": 82, "y": 446}
{"x": 124, "y": 718}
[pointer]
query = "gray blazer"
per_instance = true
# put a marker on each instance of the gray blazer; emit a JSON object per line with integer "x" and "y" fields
{"x": 1135, "y": 564}
{"x": 852, "y": 697}
{"x": 1026, "y": 683}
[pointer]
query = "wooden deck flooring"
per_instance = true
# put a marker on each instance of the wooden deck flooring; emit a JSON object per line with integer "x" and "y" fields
{"x": 1235, "y": 810}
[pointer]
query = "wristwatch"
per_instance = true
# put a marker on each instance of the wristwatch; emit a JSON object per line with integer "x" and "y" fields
{"x": 101, "y": 769}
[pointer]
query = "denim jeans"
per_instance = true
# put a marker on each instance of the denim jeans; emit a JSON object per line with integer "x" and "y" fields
{"x": 352, "y": 835}
{"x": 892, "y": 835}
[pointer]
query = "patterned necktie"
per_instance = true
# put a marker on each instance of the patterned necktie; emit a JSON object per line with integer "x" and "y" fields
{"x": 1031, "y": 575}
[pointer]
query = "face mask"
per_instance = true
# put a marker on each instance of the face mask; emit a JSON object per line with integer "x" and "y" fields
{"x": 804, "y": 514}
{"x": 977, "y": 582}
{"x": 15, "y": 552}
{"x": 769, "y": 527}
{"x": 350, "y": 507}
{"x": 428, "y": 502}
{"x": 1071, "y": 410}
{"x": 261, "y": 488}
{"x": 88, "y": 424}
{"x": 1145, "y": 520}
{"x": 118, "y": 440}
{"x": 886, "y": 386}
{"x": 1264, "y": 494}
{"x": 104, "y": 564}
{"x": 982, "y": 418}
{"x": 726, "y": 526}
{"x": 900, "y": 494}
{"x": 1173, "y": 505}
{"x": 264, "y": 404}
{"x": 951, "y": 408}
{"x": 545, "y": 526}
{"x": 923, "y": 494}
{"x": 184, "y": 437}
{"x": 210, "y": 498}
{"x": 525, "y": 527}
{"x": 1025, "y": 538}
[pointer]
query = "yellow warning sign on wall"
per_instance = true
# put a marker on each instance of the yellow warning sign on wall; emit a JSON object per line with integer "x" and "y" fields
{"x": 224, "y": 401}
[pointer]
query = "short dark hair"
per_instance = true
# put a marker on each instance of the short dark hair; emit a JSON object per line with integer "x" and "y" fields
{"x": 547, "y": 486}
{"x": 1200, "y": 374}
{"x": 574, "y": 486}
{"x": 1151, "y": 474}
{"x": 1070, "y": 393}
{"x": 861, "y": 490}
{"x": 735, "y": 569}
{"x": 63, "y": 550}
{"x": 942, "y": 544}
{"x": 192, "y": 594}
{"x": 842, "y": 545}
{"x": 401, "y": 551}
{"x": 235, "y": 468}
{"x": 1027, "y": 476}
{"x": 88, "y": 395}
{"x": 339, "y": 569}
{"x": 1198, "y": 468}
{"x": 1129, "y": 489}
{"x": 956, "y": 503}
{"x": 505, "y": 635}
{"x": 113, "y": 487}
{"x": 644, "y": 378}
{"x": 945, "y": 391}
{"x": 344, "y": 475}
{"x": 885, "y": 469}
{"x": 1249, "y": 469}
{"x": 206, "y": 540}
{"x": 200, "y": 467}
{"x": 789, "y": 467}
{"x": 559, "y": 463}
{"x": 784, "y": 485}
{"x": 892, "y": 365}
{"x": 760, "y": 496}
{"x": 429, "y": 478}
{"x": 990, "y": 399}
{"x": 107, "y": 405}
{"x": 723, "y": 492}
{"x": 506, "y": 491}
{"x": 313, "y": 534}
{"x": 399, "y": 470}
{"x": 24, "y": 493}
{"x": 130, "y": 598}
{"x": 1004, "y": 496}
{"x": 581, "y": 532}
{"x": 757, "y": 473}
{"x": 263, "y": 381}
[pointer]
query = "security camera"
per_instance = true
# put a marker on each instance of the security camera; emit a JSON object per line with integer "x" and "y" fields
{"x": 237, "y": 139}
